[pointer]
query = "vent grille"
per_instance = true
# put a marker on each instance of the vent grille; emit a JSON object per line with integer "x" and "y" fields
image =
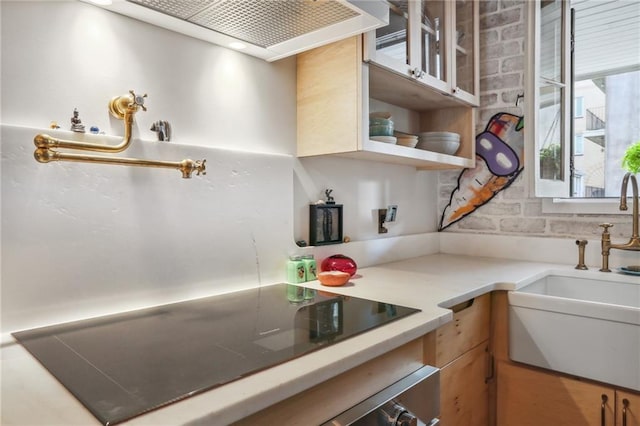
{"x": 263, "y": 23}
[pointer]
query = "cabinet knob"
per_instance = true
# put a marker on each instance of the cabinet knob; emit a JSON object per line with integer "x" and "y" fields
{"x": 417, "y": 72}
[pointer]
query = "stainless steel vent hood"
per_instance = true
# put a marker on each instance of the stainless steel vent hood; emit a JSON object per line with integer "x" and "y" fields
{"x": 269, "y": 29}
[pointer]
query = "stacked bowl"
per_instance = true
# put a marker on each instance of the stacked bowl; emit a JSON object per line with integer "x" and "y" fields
{"x": 440, "y": 142}
{"x": 406, "y": 139}
{"x": 381, "y": 127}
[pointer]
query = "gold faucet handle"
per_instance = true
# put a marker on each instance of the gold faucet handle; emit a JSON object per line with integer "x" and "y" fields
{"x": 138, "y": 101}
{"x": 200, "y": 167}
{"x": 124, "y": 105}
{"x": 606, "y": 227}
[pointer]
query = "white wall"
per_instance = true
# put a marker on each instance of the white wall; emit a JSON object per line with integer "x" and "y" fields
{"x": 59, "y": 55}
{"x": 81, "y": 240}
{"x": 375, "y": 187}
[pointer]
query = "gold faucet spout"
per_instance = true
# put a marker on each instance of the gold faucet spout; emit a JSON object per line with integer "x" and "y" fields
{"x": 45, "y": 141}
{"x": 634, "y": 242}
{"x": 623, "y": 200}
{"x": 124, "y": 108}
{"x": 187, "y": 167}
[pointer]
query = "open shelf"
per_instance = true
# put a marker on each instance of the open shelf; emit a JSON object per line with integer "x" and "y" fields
{"x": 335, "y": 86}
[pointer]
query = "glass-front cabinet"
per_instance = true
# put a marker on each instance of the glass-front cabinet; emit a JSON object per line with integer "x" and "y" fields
{"x": 465, "y": 79}
{"x": 432, "y": 41}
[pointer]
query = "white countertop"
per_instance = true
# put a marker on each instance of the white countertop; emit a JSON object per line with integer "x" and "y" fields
{"x": 31, "y": 396}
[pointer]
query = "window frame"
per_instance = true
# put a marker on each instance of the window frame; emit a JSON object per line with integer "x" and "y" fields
{"x": 552, "y": 203}
{"x": 545, "y": 188}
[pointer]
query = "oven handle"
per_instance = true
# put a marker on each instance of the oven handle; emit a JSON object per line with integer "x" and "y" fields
{"x": 388, "y": 394}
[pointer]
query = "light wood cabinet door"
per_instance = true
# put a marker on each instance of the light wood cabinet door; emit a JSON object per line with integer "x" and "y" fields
{"x": 627, "y": 409}
{"x": 464, "y": 393}
{"x": 469, "y": 328}
{"x": 531, "y": 397}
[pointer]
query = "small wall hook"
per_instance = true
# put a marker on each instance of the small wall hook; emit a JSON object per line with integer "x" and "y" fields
{"x": 386, "y": 215}
{"x": 163, "y": 128}
{"x": 519, "y": 97}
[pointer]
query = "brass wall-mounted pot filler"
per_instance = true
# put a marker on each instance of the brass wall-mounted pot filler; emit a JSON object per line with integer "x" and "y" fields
{"x": 124, "y": 108}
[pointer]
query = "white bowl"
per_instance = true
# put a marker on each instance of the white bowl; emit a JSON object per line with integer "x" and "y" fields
{"x": 380, "y": 114}
{"x": 439, "y": 135}
{"x": 442, "y": 146}
{"x": 410, "y": 141}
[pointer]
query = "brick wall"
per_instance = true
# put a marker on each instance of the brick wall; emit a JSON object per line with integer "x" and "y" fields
{"x": 512, "y": 211}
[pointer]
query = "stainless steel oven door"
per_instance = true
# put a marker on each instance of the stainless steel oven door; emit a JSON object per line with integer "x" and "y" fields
{"x": 413, "y": 400}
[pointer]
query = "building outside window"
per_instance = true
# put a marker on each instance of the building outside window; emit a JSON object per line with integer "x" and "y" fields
{"x": 579, "y": 107}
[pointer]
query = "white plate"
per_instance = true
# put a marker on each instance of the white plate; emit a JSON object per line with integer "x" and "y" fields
{"x": 385, "y": 139}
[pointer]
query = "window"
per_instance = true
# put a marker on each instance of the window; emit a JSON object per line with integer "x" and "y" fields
{"x": 586, "y": 84}
{"x": 606, "y": 92}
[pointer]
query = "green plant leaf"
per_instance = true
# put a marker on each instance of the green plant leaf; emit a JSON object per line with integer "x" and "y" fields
{"x": 631, "y": 159}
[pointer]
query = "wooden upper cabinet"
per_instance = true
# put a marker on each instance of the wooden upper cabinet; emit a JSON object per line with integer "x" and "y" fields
{"x": 329, "y": 99}
{"x": 435, "y": 42}
{"x": 336, "y": 91}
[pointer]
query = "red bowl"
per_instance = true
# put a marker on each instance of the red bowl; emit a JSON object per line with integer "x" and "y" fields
{"x": 339, "y": 262}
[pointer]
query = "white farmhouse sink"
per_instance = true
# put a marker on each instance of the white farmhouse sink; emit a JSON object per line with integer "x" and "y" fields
{"x": 582, "y": 323}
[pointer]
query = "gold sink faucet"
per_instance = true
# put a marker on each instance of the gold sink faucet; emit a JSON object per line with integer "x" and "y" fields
{"x": 634, "y": 241}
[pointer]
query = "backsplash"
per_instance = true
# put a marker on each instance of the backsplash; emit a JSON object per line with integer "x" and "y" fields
{"x": 85, "y": 239}
{"x": 80, "y": 240}
{"x": 513, "y": 211}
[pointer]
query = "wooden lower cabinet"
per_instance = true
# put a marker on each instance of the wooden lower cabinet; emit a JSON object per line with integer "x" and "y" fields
{"x": 531, "y": 397}
{"x": 464, "y": 392}
{"x": 627, "y": 409}
{"x": 460, "y": 349}
{"x": 528, "y": 397}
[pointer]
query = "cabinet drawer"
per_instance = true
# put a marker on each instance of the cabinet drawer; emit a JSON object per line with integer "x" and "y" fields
{"x": 469, "y": 328}
{"x": 464, "y": 394}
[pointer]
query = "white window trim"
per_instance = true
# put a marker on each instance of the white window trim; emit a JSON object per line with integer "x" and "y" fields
{"x": 585, "y": 206}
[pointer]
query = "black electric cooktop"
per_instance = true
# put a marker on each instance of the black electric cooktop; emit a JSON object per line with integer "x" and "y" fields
{"x": 120, "y": 366}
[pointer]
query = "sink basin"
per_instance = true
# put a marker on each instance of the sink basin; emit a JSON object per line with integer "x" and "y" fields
{"x": 581, "y": 323}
